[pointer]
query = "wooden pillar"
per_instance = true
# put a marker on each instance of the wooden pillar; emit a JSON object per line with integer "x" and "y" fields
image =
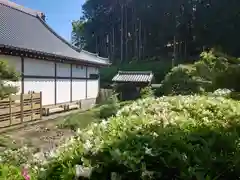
{"x": 21, "y": 103}
{"x": 22, "y": 75}
{"x": 41, "y": 109}
{"x": 71, "y": 76}
{"x": 55, "y": 83}
{"x": 10, "y": 109}
{"x": 31, "y": 106}
{"x": 86, "y": 82}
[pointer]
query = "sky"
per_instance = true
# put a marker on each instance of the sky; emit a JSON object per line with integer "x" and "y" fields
{"x": 59, "y": 13}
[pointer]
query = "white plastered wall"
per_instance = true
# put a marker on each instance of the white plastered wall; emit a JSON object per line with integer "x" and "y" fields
{"x": 93, "y": 89}
{"x": 92, "y": 70}
{"x": 46, "y": 86}
{"x": 92, "y": 85}
{"x": 78, "y": 85}
{"x": 63, "y": 85}
{"x": 63, "y": 91}
{"x": 78, "y": 90}
{"x": 63, "y": 70}
{"x": 78, "y": 71}
{"x": 34, "y": 67}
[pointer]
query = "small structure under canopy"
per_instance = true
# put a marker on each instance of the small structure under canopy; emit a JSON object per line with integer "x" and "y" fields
{"x": 129, "y": 83}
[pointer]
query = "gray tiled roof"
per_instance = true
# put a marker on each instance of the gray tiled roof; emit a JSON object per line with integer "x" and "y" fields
{"x": 133, "y": 76}
{"x": 23, "y": 28}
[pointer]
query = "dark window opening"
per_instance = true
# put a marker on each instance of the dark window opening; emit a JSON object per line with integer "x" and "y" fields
{"x": 93, "y": 76}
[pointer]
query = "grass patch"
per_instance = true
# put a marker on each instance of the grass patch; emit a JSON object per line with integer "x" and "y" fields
{"x": 83, "y": 119}
{"x": 7, "y": 142}
{"x": 79, "y": 120}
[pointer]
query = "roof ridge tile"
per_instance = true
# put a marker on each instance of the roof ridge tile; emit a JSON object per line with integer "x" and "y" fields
{"x": 21, "y": 8}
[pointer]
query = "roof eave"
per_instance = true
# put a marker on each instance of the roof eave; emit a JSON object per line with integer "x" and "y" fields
{"x": 49, "y": 55}
{"x": 70, "y": 45}
{"x": 146, "y": 82}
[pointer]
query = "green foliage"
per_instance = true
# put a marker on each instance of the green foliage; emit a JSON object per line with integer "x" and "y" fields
{"x": 103, "y": 96}
{"x": 7, "y": 73}
{"x": 79, "y": 120}
{"x": 164, "y": 138}
{"x": 77, "y": 34}
{"x": 212, "y": 24}
{"x": 10, "y": 172}
{"x": 83, "y": 119}
{"x": 147, "y": 92}
{"x": 183, "y": 80}
{"x": 124, "y": 103}
{"x": 213, "y": 71}
{"x": 110, "y": 108}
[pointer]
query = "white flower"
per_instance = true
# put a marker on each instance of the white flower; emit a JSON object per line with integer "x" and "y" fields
{"x": 184, "y": 156}
{"x": 72, "y": 140}
{"x": 87, "y": 145}
{"x": 104, "y": 123}
{"x": 155, "y": 134}
{"x": 52, "y": 154}
{"x": 148, "y": 151}
{"x": 89, "y": 132}
{"x": 83, "y": 171}
{"x": 42, "y": 169}
{"x": 79, "y": 132}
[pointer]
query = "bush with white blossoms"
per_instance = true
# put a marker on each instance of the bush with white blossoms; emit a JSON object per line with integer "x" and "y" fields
{"x": 222, "y": 92}
{"x": 179, "y": 137}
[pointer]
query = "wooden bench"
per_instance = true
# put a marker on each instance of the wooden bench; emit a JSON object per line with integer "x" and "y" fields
{"x": 48, "y": 110}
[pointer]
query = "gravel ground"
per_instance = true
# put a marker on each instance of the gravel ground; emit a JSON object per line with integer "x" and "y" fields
{"x": 42, "y": 136}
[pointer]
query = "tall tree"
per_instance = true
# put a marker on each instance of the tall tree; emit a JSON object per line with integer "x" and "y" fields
{"x": 143, "y": 28}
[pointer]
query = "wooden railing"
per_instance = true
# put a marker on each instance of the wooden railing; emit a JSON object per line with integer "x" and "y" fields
{"x": 18, "y": 109}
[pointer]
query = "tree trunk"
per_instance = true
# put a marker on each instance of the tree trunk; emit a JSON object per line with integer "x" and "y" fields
{"x": 113, "y": 43}
{"x": 140, "y": 40}
{"x": 126, "y": 33}
{"x": 122, "y": 21}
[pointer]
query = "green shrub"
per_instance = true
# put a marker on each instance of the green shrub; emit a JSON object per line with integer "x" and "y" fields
{"x": 124, "y": 103}
{"x": 179, "y": 137}
{"x": 7, "y": 74}
{"x": 147, "y": 92}
{"x": 8, "y": 172}
{"x": 109, "y": 109}
{"x": 211, "y": 72}
{"x": 226, "y": 93}
{"x": 79, "y": 120}
{"x": 183, "y": 80}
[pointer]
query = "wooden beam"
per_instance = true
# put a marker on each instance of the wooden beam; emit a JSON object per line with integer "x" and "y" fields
{"x": 53, "y": 77}
{"x": 22, "y": 74}
{"x": 86, "y": 82}
{"x": 55, "y": 83}
{"x": 71, "y": 74}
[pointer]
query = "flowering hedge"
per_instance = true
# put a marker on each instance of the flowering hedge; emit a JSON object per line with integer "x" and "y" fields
{"x": 180, "y": 137}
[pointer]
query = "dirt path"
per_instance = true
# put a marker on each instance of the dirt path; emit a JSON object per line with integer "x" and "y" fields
{"x": 43, "y": 136}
